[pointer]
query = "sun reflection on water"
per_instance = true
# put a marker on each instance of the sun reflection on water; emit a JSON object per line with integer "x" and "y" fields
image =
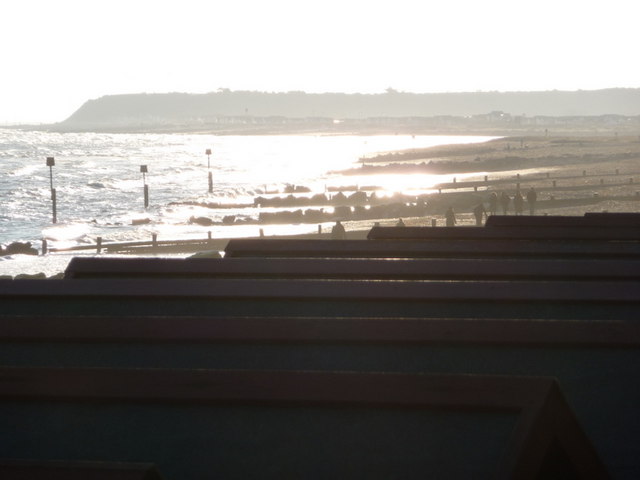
{"x": 387, "y": 185}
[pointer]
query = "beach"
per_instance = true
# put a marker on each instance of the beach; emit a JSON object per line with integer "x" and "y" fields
{"x": 571, "y": 175}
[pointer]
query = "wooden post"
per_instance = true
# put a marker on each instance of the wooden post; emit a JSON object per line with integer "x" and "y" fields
{"x": 319, "y": 229}
{"x": 208, "y": 154}
{"x": 154, "y": 240}
{"x": 51, "y": 163}
{"x": 98, "y": 244}
{"x": 144, "y": 170}
{"x": 434, "y": 222}
{"x": 44, "y": 245}
{"x": 54, "y": 205}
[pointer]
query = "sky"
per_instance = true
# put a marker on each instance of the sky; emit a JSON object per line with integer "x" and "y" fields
{"x": 56, "y": 55}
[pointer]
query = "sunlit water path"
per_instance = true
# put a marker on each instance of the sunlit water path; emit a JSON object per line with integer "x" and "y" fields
{"x": 99, "y": 186}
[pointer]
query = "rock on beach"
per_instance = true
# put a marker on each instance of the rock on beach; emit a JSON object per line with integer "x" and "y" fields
{"x": 18, "y": 248}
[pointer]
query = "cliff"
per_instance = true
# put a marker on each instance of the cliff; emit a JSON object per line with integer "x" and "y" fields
{"x": 189, "y": 111}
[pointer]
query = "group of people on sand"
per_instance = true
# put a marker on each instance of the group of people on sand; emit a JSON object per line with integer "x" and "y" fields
{"x": 518, "y": 202}
{"x": 503, "y": 200}
{"x": 479, "y": 212}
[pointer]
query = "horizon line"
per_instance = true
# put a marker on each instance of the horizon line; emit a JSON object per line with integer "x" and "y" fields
{"x": 386, "y": 91}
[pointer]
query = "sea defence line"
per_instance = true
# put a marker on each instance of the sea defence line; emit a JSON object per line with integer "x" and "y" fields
{"x": 359, "y": 206}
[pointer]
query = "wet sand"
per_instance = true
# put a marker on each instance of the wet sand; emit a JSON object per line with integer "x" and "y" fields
{"x": 572, "y": 175}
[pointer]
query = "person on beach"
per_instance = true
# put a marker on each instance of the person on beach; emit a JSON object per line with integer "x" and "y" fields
{"x": 504, "y": 201}
{"x": 518, "y": 203}
{"x": 337, "y": 232}
{"x": 400, "y": 223}
{"x": 532, "y": 196}
{"x": 450, "y": 217}
{"x": 493, "y": 203}
{"x": 478, "y": 212}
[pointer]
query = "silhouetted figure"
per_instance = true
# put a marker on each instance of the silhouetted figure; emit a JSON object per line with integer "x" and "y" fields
{"x": 532, "y": 197}
{"x": 504, "y": 201}
{"x": 493, "y": 203}
{"x": 478, "y": 212}
{"x": 518, "y": 203}
{"x": 450, "y": 217}
{"x": 337, "y": 232}
{"x": 400, "y": 223}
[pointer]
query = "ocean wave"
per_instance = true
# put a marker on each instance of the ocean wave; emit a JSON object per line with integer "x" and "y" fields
{"x": 97, "y": 177}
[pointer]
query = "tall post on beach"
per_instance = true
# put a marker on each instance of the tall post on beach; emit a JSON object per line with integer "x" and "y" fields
{"x": 208, "y": 153}
{"x": 144, "y": 171}
{"x": 50, "y": 163}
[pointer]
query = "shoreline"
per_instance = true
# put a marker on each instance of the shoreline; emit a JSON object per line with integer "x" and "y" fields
{"x": 581, "y": 126}
{"x": 572, "y": 175}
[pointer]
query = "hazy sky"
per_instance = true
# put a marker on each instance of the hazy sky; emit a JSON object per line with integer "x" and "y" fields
{"x": 58, "y": 54}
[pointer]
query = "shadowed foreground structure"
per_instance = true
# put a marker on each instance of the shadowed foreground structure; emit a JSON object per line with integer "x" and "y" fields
{"x": 415, "y": 353}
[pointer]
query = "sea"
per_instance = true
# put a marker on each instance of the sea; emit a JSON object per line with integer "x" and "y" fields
{"x": 100, "y": 184}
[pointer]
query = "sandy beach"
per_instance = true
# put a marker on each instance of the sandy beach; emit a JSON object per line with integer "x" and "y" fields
{"x": 572, "y": 175}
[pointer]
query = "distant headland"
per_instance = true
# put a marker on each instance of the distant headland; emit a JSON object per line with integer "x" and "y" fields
{"x": 249, "y": 112}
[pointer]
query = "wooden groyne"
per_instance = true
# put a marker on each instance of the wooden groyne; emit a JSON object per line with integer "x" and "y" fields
{"x": 145, "y": 246}
{"x": 155, "y": 246}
